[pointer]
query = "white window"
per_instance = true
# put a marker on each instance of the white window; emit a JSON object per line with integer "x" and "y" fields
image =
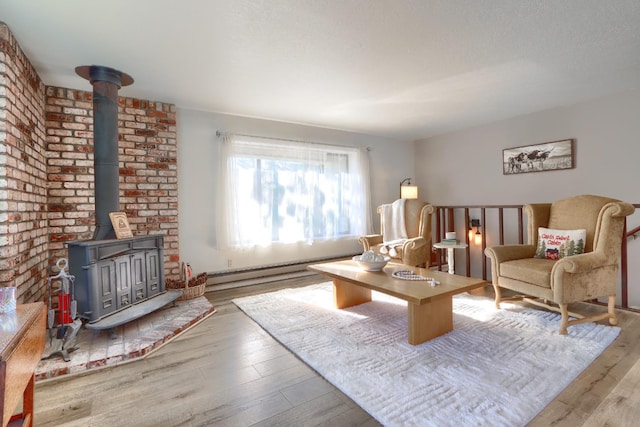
{"x": 278, "y": 192}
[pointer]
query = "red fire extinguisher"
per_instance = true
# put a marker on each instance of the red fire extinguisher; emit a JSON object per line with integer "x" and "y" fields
{"x": 64, "y": 303}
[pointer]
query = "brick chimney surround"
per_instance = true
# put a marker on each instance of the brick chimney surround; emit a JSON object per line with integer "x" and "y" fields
{"x": 46, "y": 171}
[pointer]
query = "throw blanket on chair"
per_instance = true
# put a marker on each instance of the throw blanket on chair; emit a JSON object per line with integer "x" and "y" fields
{"x": 392, "y": 225}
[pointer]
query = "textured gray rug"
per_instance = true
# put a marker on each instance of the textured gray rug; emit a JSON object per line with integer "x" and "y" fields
{"x": 497, "y": 367}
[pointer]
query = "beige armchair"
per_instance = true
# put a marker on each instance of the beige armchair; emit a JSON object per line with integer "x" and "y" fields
{"x": 571, "y": 278}
{"x": 415, "y": 250}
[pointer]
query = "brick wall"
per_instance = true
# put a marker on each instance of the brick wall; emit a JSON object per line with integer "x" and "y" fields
{"x": 148, "y": 169}
{"x": 23, "y": 181}
{"x": 46, "y": 171}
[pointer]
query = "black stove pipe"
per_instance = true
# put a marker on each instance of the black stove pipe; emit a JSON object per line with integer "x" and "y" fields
{"x": 106, "y": 82}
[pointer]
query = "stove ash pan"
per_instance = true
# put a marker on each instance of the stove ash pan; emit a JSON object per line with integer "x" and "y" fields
{"x": 114, "y": 275}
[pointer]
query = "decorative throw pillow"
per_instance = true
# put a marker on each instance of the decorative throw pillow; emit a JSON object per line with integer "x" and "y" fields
{"x": 556, "y": 244}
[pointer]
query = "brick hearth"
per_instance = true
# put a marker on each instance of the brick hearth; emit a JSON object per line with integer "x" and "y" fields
{"x": 132, "y": 340}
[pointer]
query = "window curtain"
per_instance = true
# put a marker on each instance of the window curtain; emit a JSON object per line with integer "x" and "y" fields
{"x": 280, "y": 192}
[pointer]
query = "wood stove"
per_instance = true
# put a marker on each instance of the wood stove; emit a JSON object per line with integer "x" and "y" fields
{"x": 116, "y": 280}
{"x": 111, "y": 275}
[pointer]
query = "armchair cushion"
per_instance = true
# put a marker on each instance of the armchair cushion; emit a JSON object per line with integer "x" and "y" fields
{"x": 556, "y": 244}
{"x": 532, "y": 270}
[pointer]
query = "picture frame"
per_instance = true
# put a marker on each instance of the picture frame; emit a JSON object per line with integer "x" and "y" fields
{"x": 547, "y": 156}
{"x": 120, "y": 224}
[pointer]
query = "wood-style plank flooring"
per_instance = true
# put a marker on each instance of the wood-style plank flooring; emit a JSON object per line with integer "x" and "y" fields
{"x": 227, "y": 371}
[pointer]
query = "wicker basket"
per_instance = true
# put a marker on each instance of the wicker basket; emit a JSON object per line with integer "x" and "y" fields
{"x": 190, "y": 288}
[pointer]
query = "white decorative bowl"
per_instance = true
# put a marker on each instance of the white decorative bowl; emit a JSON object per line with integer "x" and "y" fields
{"x": 371, "y": 265}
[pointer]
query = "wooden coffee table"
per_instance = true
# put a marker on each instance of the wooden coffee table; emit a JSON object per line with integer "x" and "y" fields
{"x": 430, "y": 309}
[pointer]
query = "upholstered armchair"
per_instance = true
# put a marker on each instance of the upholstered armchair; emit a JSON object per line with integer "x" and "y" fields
{"x": 414, "y": 249}
{"x": 562, "y": 275}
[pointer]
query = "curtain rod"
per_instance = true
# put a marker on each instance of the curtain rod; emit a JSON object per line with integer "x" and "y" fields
{"x": 220, "y": 133}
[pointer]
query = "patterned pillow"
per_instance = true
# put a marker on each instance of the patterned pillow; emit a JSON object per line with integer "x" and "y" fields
{"x": 556, "y": 244}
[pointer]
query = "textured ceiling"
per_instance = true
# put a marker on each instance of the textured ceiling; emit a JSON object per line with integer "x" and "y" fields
{"x": 395, "y": 68}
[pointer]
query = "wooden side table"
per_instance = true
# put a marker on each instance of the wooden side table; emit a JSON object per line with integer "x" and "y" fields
{"x": 22, "y": 341}
{"x": 450, "y": 255}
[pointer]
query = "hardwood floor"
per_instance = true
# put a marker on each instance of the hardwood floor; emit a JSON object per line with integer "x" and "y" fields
{"x": 226, "y": 371}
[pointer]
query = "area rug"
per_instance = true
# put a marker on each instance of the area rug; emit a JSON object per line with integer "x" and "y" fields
{"x": 497, "y": 367}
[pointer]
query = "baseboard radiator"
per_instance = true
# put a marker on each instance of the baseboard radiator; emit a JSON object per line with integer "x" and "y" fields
{"x": 245, "y": 277}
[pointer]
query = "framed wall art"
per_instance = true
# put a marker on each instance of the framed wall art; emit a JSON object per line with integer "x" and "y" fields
{"x": 555, "y": 155}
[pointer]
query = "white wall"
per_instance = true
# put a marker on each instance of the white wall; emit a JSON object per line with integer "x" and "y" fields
{"x": 198, "y": 146}
{"x": 461, "y": 168}
{"x": 465, "y": 168}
